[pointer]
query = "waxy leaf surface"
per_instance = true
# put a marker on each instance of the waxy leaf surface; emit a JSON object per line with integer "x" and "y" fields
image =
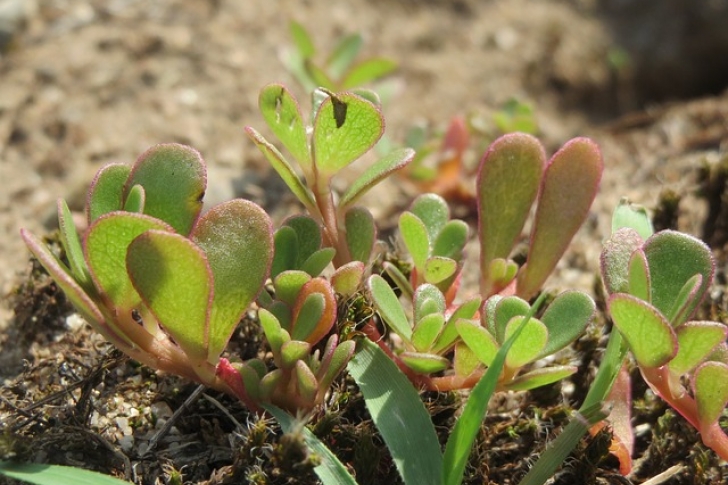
{"x": 389, "y": 307}
{"x": 283, "y": 116}
{"x": 711, "y": 391}
{"x": 566, "y": 318}
{"x": 696, "y": 341}
{"x": 107, "y": 190}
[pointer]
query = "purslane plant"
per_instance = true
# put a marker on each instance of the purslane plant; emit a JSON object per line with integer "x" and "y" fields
{"x": 344, "y": 127}
{"x": 162, "y": 283}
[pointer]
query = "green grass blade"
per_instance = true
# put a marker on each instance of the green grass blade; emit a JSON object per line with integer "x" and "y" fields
{"x": 331, "y": 471}
{"x": 40, "y": 474}
{"x": 467, "y": 427}
{"x": 399, "y": 415}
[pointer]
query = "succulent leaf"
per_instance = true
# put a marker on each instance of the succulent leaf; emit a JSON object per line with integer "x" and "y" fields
{"x": 711, "y": 391}
{"x": 72, "y": 246}
{"x": 361, "y": 233}
{"x": 304, "y": 313}
{"x": 347, "y": 278}
{"x": 288, "y": 285}
{"x": 283, "y": 116}
{"x": 639, "y": 276}
{"x": 480, "y": 341}
{"x": 569, "y": 186}
{"x": 529, "y": 345}
{"x": 175, "y": 281}
{"x": 236, "y": 239}
{"x": 174, "y": 179}
{"x": 375, "y": 173}
{"x": 318, "y": 261}
{"x": 389, "y": 307}
{"x": 426, "y": 331}
{"x": 345, "y": 128}
{"x": 566, "y": 318}
{"x": 423, "y": 363}
{"x": 540, "y": 377}
{"x": 696, "y": 341}
{"x": 615, "y": 259}
{"x": 451, "y": 240}
{"x": 414, "y": 233}
{"x": 648, "y": 333}
{"x": 434, "y": 213}
{"x": 106, "y": 193}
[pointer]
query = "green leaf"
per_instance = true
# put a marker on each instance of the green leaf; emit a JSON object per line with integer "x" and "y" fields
{"x": 682, "y": 305}
{"x": 389, "y": 307}
{"x": 107, "y": 191}
{"x": 77, "y": 296}
{"x": 306, "y": 381}
{"x": 293, "y": 351}
{"x": 135, "y": 200}
{"x": 569, "y": 186}
{"x": 648, "y": 333}
{"x": 236, "y": 239}
{"x": 40, "y": 474}
{"x": 399, "y": 415}
{"x": 284, "y": 169}
{"x": 330, "y": 470}
{"x": 301, "y": 39}
{"x": 696, "y": 341}
{"x": 283, "y": 116}
{"x": 505, "y": 310}
{"x": 72, "y": 246}
{"x": 288, "y": 284}
{"x": 541, "y": 377}
{"x": 274, "y": 334}
{"x": 464, "y": 361}
{"x": 318, "y": 261}
{"x": 308, "y": 234}
{"x": 375, "y": 173}
{"x": 304, "y": 313}
{"x": 467, "y": 427}
{"x": 339, "y": 358}
{"x": 174, "y": 180}
{"x": 639, "y": 276}
{"x": 345, "y": 128}
{"x": 308, "y": 316}
{"x": 566, "y": 318}
{"x": 175, "y": 281}
{"x": 434, "y": 213}
{"x": 361, "y": 233}
{"x": 667, "y": 278}
{"x": 710, "y": 385}
{"x": 343, "y": 55}
{"x": 507, "y": 185}
{"x": 428, "y": 299}
{"x": 632, "y": 216}
{"x": 529, "y": 344}
{"x": 439, "y": 269}
{"x": 368, "y": 71}
{"x": 451, "y": 240}
{"x": 478, "y": 339}
{"x": 449, "y": 334}
{"x": 106, "y": 246}
{"x": 426, "y": 331}
{"x": 424, "y": 363}
{"x": 347, "y": 278}
{"x": 415, "y": 237}
{"x": 615, "y": 259}
{"x": 285, "y": 253}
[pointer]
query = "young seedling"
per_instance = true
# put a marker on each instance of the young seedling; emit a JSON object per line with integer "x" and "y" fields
{"x": 651, "y": 301}
{"x": 436, "y": 245}
{"x": 163, "y": 284}
{"x": 345, "y": 126}
{"x": 512, "y": 175}
{"x": 340, "y": 71}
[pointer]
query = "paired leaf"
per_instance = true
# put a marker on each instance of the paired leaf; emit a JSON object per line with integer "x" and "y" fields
{"x": 566, "y": 318}
{"x": 569, "y": 186}
{"x": 711, "y": 391}
{"x": 615, "y": 259}
{"x": 389, "y": 307}
{"x": 696, "y": 341}
{"x": 375, "y": 173}
{"x": 414, "y": 233}
{"x": 106, "y": 193}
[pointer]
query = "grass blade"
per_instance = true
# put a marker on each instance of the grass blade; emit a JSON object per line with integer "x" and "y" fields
{"x": 466, "y": 429}
{"x": 399, "y": 415}
{"x": 40, "y": 474}
{"x": 331, "y": 471}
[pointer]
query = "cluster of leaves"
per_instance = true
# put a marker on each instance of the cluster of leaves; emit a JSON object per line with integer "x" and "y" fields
{"x": 168, "y": 285}
{"x": 340, "y": 71}
{"x": 651, "y": 300}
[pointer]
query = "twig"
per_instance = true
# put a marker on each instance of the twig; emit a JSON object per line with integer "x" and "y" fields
{"x": 170, "y": 422}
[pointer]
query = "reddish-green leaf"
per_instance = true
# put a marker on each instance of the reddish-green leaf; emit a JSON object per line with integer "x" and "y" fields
{"x": 614, "y": 261}
{"x": 569, "y": 186}
{"x": 72, "y": 246}
{"x": 106, "y": 193}
{"x": 175, "y": 281}
{"x": 288, "y": 285}
{"x": 328, "y": 314}
{"x": 648, "y": 333}
{"x": 507, "y": 184}
{"x": 174, "y": 181}
{"x": 237, "y": 241}
{"x": 424, "y": 363}
{"x": 347, "y": 278}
